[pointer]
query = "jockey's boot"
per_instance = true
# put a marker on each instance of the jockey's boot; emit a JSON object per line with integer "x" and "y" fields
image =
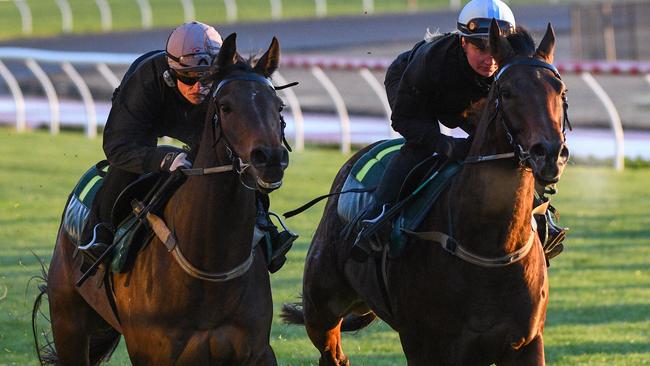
{"x": 366, "y": 245}
{"x": 102, "y": 239}
{"x": 556, "y": 234}
{"x": 387, "y": 192}
{"x": 550, "y": 234}
{"x": 277, "y": 242}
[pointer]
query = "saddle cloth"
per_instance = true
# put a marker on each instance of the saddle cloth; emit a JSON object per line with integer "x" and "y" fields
{"x": 81, "y": 199}
{"x": 77, "y": 212}
{"x": 367, "y": 172}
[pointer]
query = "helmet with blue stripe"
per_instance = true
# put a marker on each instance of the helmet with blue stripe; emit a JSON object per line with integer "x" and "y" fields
{"x": 474, "y": 20}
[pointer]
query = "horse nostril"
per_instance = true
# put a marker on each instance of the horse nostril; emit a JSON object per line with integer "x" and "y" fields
{"x": 259, "y": 157}
{"x": 564, "y": 153}
{"x": 264, "y": 157}
{"x": 538, "y": 151}
{"x": 284, "y": 162}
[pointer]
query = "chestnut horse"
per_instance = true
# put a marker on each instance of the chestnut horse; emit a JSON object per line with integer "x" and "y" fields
{"x": 210, "y": 305}
{"x": 484, "y": 300}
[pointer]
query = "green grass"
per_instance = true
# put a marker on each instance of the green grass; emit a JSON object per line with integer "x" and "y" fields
{"x": 46, "y": 16}
{"x": 599, "y": 310}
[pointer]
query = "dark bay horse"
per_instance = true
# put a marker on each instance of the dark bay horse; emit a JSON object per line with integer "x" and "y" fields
{"x": 208, "y": 302}
{"x": 486, "y": 302}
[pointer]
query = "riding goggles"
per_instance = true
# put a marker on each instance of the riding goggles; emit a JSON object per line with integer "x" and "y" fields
{"x": 193, "y": 60}
{"x": 480, "y": 27}
{"x": 192, "y": 79}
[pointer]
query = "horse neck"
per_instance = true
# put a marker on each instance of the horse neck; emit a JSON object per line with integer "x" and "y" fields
{"x": 213, "y": 216}
{"x": 491, "y": 202}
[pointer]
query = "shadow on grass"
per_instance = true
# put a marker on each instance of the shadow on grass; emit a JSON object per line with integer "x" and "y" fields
{"x": 357, "y": 360}
{"x": 630, "y": 313}
{"x": 553, "y": 353}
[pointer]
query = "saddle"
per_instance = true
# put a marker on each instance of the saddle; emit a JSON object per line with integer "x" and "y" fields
{"x": 131, "y": 235}
{"x": 421, "y": 188}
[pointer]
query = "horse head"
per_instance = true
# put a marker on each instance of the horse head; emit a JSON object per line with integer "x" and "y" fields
{"x": 528, "y": 102}
{"x": 247, "y": 113}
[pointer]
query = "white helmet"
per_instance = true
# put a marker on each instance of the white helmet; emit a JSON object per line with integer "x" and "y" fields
{"x": 474, "y": 20}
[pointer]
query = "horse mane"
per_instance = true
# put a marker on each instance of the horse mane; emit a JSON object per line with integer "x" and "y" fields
{"x": 240, "y": 65}
{"x": 522, "y": 42}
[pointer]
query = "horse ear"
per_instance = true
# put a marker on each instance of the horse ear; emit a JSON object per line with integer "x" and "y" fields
{"x": 499, "y": 46}
{"x": 228, "y": 52}
{"x": 270, "y": 60}
{"x": 546, "y": 47}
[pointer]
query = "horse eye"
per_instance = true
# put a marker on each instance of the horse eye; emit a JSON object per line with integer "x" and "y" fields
{"x": 281, "y": 107}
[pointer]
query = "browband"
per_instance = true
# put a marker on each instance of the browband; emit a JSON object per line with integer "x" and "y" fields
{"x": 245, "y": 77}
{"x": 529, "y": 62}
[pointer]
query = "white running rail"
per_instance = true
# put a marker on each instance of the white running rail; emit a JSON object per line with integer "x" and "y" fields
{"x": 318, "y": 66}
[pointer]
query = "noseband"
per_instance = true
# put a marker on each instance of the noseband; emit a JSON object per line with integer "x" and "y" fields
{"x": 522, "y": 155}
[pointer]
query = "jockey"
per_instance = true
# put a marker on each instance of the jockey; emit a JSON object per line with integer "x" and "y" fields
{"x": 161, "y": 94}
{"x": 436, "y": 81}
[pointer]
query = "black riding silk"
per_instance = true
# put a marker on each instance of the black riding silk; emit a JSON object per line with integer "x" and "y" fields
{"x": 436, "y": 84}
{"x": 145, "y": 108}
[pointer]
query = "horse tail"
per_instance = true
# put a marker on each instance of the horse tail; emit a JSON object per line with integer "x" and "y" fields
{"x": 294, "y": 314}
{"x": 46, "y": 353}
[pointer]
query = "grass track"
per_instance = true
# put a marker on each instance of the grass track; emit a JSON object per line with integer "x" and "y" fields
{"x": 125, "y": 14}
{"x": 600, "y": 287}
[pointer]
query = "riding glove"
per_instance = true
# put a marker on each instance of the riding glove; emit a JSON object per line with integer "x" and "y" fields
{"x": 173, "y": 161}
{"x": 455, "y": 149}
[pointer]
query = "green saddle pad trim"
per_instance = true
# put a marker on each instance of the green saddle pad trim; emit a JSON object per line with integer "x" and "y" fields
{"x": 416, "y": 211}
{"x": 78, "y": 207}
{"x": 87, "y": 187}
{"x": 369, "y": 168}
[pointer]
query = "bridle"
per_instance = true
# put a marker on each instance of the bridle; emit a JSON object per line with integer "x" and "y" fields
{"x": 237, "y": 163}
{"x": 447, "y": 242}
{"x": 522, "y": 155}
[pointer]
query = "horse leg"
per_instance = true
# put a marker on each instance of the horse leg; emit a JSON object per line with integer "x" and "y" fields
{"x": 531, "y": 354}
{"x": 327, "y": 339}
{"x": 81, "y": 336}
{"x": 327, "y": 298}
{"x": 224, "y": 346}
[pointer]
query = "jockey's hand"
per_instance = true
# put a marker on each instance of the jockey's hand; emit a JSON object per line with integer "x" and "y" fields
{"x": 455, "y": 149}
{"x": 175, "y": 160}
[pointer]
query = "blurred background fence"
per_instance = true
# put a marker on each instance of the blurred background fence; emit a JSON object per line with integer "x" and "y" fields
{"x": 611, "y": 30}
{"x": 104, "y": 70}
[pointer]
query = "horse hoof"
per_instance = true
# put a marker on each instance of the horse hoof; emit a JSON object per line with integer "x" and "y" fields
{"x": 341, "y": 362}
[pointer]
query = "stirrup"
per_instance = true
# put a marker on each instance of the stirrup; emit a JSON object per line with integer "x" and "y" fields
{"x": 554, "y": 243}
{"x": 96, "y": 247}
{"x": 281, "y": 243}
{"x": 366, "y": 245}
